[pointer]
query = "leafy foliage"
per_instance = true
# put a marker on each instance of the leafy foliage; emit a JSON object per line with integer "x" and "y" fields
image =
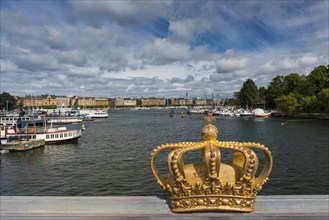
{"x": 6, "y": 100}
{"x": 249, "y": 94}
{"x": 292, "y": 93}
{"x": 323, "y": 100}
{"x": 287, "y": 103}
{"x": 319, "y": 78}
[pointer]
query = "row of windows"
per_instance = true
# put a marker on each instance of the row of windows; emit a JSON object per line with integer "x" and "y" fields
{"x": 14, "y": 119}
{"x": 11, "y": 138}
{"x": 58, "y": 135}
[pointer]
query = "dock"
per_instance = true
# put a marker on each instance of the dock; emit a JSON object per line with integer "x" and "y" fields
{"x": 151, "y": 207}
{"x": 23, "y": 145}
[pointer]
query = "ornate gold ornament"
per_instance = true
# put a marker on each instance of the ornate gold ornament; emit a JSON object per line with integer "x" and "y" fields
{"x": 212, "y": 184}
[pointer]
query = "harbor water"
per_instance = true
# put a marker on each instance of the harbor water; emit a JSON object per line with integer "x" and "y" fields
{"x": 112, "y": 156}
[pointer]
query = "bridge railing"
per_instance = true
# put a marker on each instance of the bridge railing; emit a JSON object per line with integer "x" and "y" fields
{"x": 148, "y": 207}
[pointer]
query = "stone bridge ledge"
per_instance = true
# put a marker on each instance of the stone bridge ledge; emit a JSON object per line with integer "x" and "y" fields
{"x": 150, "y": 207}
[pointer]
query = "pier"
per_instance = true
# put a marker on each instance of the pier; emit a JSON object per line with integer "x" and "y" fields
{"x": 149, "y": 207}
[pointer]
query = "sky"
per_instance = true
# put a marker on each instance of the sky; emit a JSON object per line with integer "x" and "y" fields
{"x": 113, "y": 48}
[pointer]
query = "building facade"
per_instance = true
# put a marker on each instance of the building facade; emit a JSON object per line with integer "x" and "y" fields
{"x": 153, "y": 102}
{"x": 123, "y": 102}
{"x": 101, "y": 102}
{"x": 86, "y": 101}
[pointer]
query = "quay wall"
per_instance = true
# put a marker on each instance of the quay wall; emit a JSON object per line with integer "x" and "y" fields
{"x": 148, "y": 207}
{"x": 302, "y": 115}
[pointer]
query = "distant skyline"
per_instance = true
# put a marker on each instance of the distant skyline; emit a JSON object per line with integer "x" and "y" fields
{"x": 161, "y": 48}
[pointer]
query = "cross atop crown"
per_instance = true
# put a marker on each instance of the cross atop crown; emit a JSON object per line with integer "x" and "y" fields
{"x": 209, "y": 119}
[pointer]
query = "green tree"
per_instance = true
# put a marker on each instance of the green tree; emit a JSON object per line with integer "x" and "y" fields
{"x": 237, "y": 98}
{"x": 249, "y": 94}
{"x": 276, "y": 88}
{"x": 319, "y": 78}
{"x": 293, "y": 83}
{"x": 262, "y": 94}
{"x": 309, "y": 103}
{"x": 7, "y": 100}
{"x": 287, "y": 103}
{"x": 306, "y": 88}
{"x": 323, "y": 101}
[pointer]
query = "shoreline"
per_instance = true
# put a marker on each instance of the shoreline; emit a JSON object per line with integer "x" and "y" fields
{"x": 319, "y": 116}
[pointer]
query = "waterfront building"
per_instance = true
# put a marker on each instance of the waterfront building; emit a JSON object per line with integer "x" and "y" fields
{"x": 89, "y": 102}
{"x": 43, "y": 101}
{"x": 122, "y": 102}
{"x": 49, "y": 100}
{"x": 101, "y": 102}
{"x": 200, "y": 102}
{"x": 86, "y": 101}
{"x": 129, "y": 102}
{"x": 148, "y": 102}
{"x": 180, "y": 102}
{"x": 63, "y": 100}
{"x": 29, "y": 101}
{"x": 118, "y": 102}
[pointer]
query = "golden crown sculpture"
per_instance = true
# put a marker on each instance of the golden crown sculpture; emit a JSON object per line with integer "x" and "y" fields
{"x": 211, "y": 184}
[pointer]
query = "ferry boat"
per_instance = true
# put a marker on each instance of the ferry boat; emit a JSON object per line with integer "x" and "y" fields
{"x": 94, "y": 113}
{"x": 39, "y": 129}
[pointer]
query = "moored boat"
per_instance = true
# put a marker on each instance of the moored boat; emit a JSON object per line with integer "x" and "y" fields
{"x": 196, "y": 111}
{"x": 11, "y": 120}
{"x": 258, "y": 112}
{"x": 93, "y": 113}
{"x": 64, "y": 120}
{"x": 39, "y": 129}
{"x": 246, "y": 113}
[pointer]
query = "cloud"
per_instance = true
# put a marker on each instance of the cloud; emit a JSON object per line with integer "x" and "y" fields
{"x": 229, "y": 65}
{"x": 288, "y": 64}
{"x": 123, "y": 12}
{"x": 163, "y": 51}
{"x": 157, "y": 48}
{"x": 188, "y": 29}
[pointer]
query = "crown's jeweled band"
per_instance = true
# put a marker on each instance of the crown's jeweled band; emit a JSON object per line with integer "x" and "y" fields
{"x": 213, "y": 203}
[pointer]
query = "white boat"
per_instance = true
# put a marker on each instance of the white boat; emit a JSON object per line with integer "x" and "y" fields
{"x": 93, "y": 113}
{"x": 40, "y": 130}
{"x": 60, "y": 110}
{"x": 246, "y": 114}
{"x": 64, "y": 120}
{"x": 258, "y": 112}
{"x": 11, "y": 120}
{"x": 196, "y": 111}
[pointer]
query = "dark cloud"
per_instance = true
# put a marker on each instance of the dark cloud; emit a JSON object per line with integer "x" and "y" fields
{"x": 131, "y": 13}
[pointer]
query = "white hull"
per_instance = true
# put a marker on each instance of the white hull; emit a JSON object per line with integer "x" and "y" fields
{"x": 197, "y": 111}
{"x": 50, "y": 137}
{"x": 263, "y": 115}
{"x": 64, "y": 120}
{"x": 60, "y": 136}
{"x": 258, "y": 112}
{"x": 36, "y": 132}
{"x": 94, "y": 113}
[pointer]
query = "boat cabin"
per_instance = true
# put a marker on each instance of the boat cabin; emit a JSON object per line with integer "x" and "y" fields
{"x": 31, "y": 126}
